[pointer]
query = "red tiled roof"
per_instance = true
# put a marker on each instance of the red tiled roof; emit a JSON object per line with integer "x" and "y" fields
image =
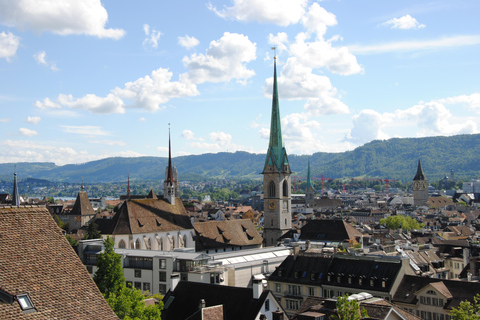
{"x": 37, "y": 259}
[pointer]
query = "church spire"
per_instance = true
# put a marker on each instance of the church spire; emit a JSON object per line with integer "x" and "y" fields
{"x": 276, "y": 154}
{"x": 420, "y": 175}
{"x": 16, "y": 195}
{"x": 169, "y": 178}
{"x": 309, "y": 179}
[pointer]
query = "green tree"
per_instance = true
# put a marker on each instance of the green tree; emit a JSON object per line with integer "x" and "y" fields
{"x": 92, "y": 231}
{"x": 399, "y": 221}
{"x": 467, "y": 310}
{"x": 109, "y": 276}
{"x": 348, "y": 310}
{"x": 128, "y": 304}
{"x": 72, "y": 241}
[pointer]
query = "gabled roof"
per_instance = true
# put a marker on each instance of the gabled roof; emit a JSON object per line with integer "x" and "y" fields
{"x": 147, "y": 215}
{"x": 219, "y": 234}
{"x": 238, "y": 303}
{"x": 36, "y": 259}
{"x": 82, "y": 205}
{"x": 459, "y": 290}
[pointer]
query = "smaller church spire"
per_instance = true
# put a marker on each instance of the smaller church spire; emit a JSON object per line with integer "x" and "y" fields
{"x": 309, "y": 179}
{"x": 420, "y": 175}
{"x": 16, "y": 195}
{"x": 169, "y": 170}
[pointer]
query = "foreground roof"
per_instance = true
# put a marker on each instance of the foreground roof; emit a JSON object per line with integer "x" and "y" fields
{"x": 37, "y": 260}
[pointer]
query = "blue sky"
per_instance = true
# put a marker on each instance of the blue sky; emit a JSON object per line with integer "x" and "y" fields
{"x": 85, "y": 80}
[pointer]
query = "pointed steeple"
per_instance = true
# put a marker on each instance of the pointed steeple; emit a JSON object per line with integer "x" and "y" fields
{"x": 420, "y": 175}
{"x": 169, "y": 178}
{"x": 309, "y": 179}
{"x": 16, "y": 195}
{"x": 276, "y": 154}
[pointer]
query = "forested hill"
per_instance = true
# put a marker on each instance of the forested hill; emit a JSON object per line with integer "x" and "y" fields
{"x": 392, "y": 159}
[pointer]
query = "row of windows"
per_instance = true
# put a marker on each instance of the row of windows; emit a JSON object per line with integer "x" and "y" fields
{"x": 181, "y": 242}
{"x": 431, "y": 301}
{"x": 162, "y": 288}
{"x": 295, "y": 290}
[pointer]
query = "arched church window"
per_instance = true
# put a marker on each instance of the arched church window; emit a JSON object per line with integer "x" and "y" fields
{"x": 121, "y": 244}
{"x": 161, "y": 248}
{"x": 137, "y": 244}
{"x": 149, "y": 244}
{"x": 271, "y": 189}
{"x": 185, "y": 240}
{"x": 285, "y": 188}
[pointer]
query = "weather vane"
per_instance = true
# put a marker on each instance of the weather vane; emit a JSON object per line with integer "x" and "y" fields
{"x": 274, "y": 52}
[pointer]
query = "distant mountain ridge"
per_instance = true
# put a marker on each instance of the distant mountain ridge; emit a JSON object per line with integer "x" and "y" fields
{"x": 393, "y": 159}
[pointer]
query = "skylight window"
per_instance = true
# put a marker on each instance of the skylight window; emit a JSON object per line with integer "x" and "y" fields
{"x": 25, "y": 303}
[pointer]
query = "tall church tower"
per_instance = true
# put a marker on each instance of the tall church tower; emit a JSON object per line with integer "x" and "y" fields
{"x": 309, "y": 190}
{"x": 170, "y": 183}
{"x": 276, "y": 178}
{"x": 15, "y": 195}
{"x": 420, "y": 187}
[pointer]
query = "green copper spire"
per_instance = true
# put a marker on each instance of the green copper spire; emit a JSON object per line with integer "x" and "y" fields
{"x": 309, "y": 179}
{"x": 276, "y": 154}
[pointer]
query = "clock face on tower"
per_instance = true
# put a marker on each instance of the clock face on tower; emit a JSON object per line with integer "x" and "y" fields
{"x": 271, "y": 205}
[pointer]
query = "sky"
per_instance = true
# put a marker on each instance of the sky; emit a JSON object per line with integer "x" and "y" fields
{"x": 90, "y": 79}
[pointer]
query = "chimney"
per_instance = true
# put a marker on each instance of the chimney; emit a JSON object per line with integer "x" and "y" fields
{"x": 257, "y": 288}
{"x": 174, "y": 280}
{"x": 277, "y": 315}
{"x": 202, "y": 304}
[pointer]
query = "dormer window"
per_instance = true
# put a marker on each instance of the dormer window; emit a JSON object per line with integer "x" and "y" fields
{"x": 25, "y": 303}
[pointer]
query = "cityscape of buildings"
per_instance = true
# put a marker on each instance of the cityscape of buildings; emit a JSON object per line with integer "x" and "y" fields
{"x": 274, "y": 255}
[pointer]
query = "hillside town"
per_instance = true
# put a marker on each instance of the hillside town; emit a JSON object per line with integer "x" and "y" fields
{"x": 401, "y": 254}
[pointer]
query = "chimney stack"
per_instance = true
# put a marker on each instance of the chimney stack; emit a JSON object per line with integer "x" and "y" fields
{"x": 202, "y": 304}
{"x": 257, "y": 288}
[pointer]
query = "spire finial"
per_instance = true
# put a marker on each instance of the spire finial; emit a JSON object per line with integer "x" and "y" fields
{"x": 16, "y": 195}
{"x": 82, "y": 187}
{"x": 169, "y": 170}
{"x": 128, "y": 186}
{"x": 274, "y": 53}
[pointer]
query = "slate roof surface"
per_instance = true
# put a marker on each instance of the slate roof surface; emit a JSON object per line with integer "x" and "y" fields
{"x": 147, "y": 215}
{"x": 459, "y": 290}
{"x": 37, "y": 259}
{"x": 238, "y": 303}
{"x": 216, "y": 234}
{"x": 328, "y": 230}
{"x": 314, "y": 269}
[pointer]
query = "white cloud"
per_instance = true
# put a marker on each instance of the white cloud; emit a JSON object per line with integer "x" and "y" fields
{"x": 280, "y": 12}
{"x": 33, "y": 120}
{"x": 326, "y": 105}
{"x": 367, "y": 126}
{"x": 27, "y": 132}
{"x": 95, "y": 104}
{"x": 28, "y": 151}
{"x": 280, "y": 41}
{"x": 47, "y": 104}
{"x": 152, "y": 37}
{"x": 446, "y": 42}
{"x": 85, "y": 130}
{"x": 4, "y": 120}
{"x": 405, "y": 22}
{"x": 471, "y": 101}
{"x": 146, "y": 93}
{"x": 8, "y": 44}
{"x": 224, "y": 60}
{"x": 188, "y": 42}
{"x": 142, "y": 119}
{"x": 64, "y": 17}
{"x": 317, "y": 19}
{"x": 109, "y": 142}
{"x": 41, "y": 58}
{"x": 221, "y": 137}
{"x": 320, "y": 53}
{"x": 189, "y": 135}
